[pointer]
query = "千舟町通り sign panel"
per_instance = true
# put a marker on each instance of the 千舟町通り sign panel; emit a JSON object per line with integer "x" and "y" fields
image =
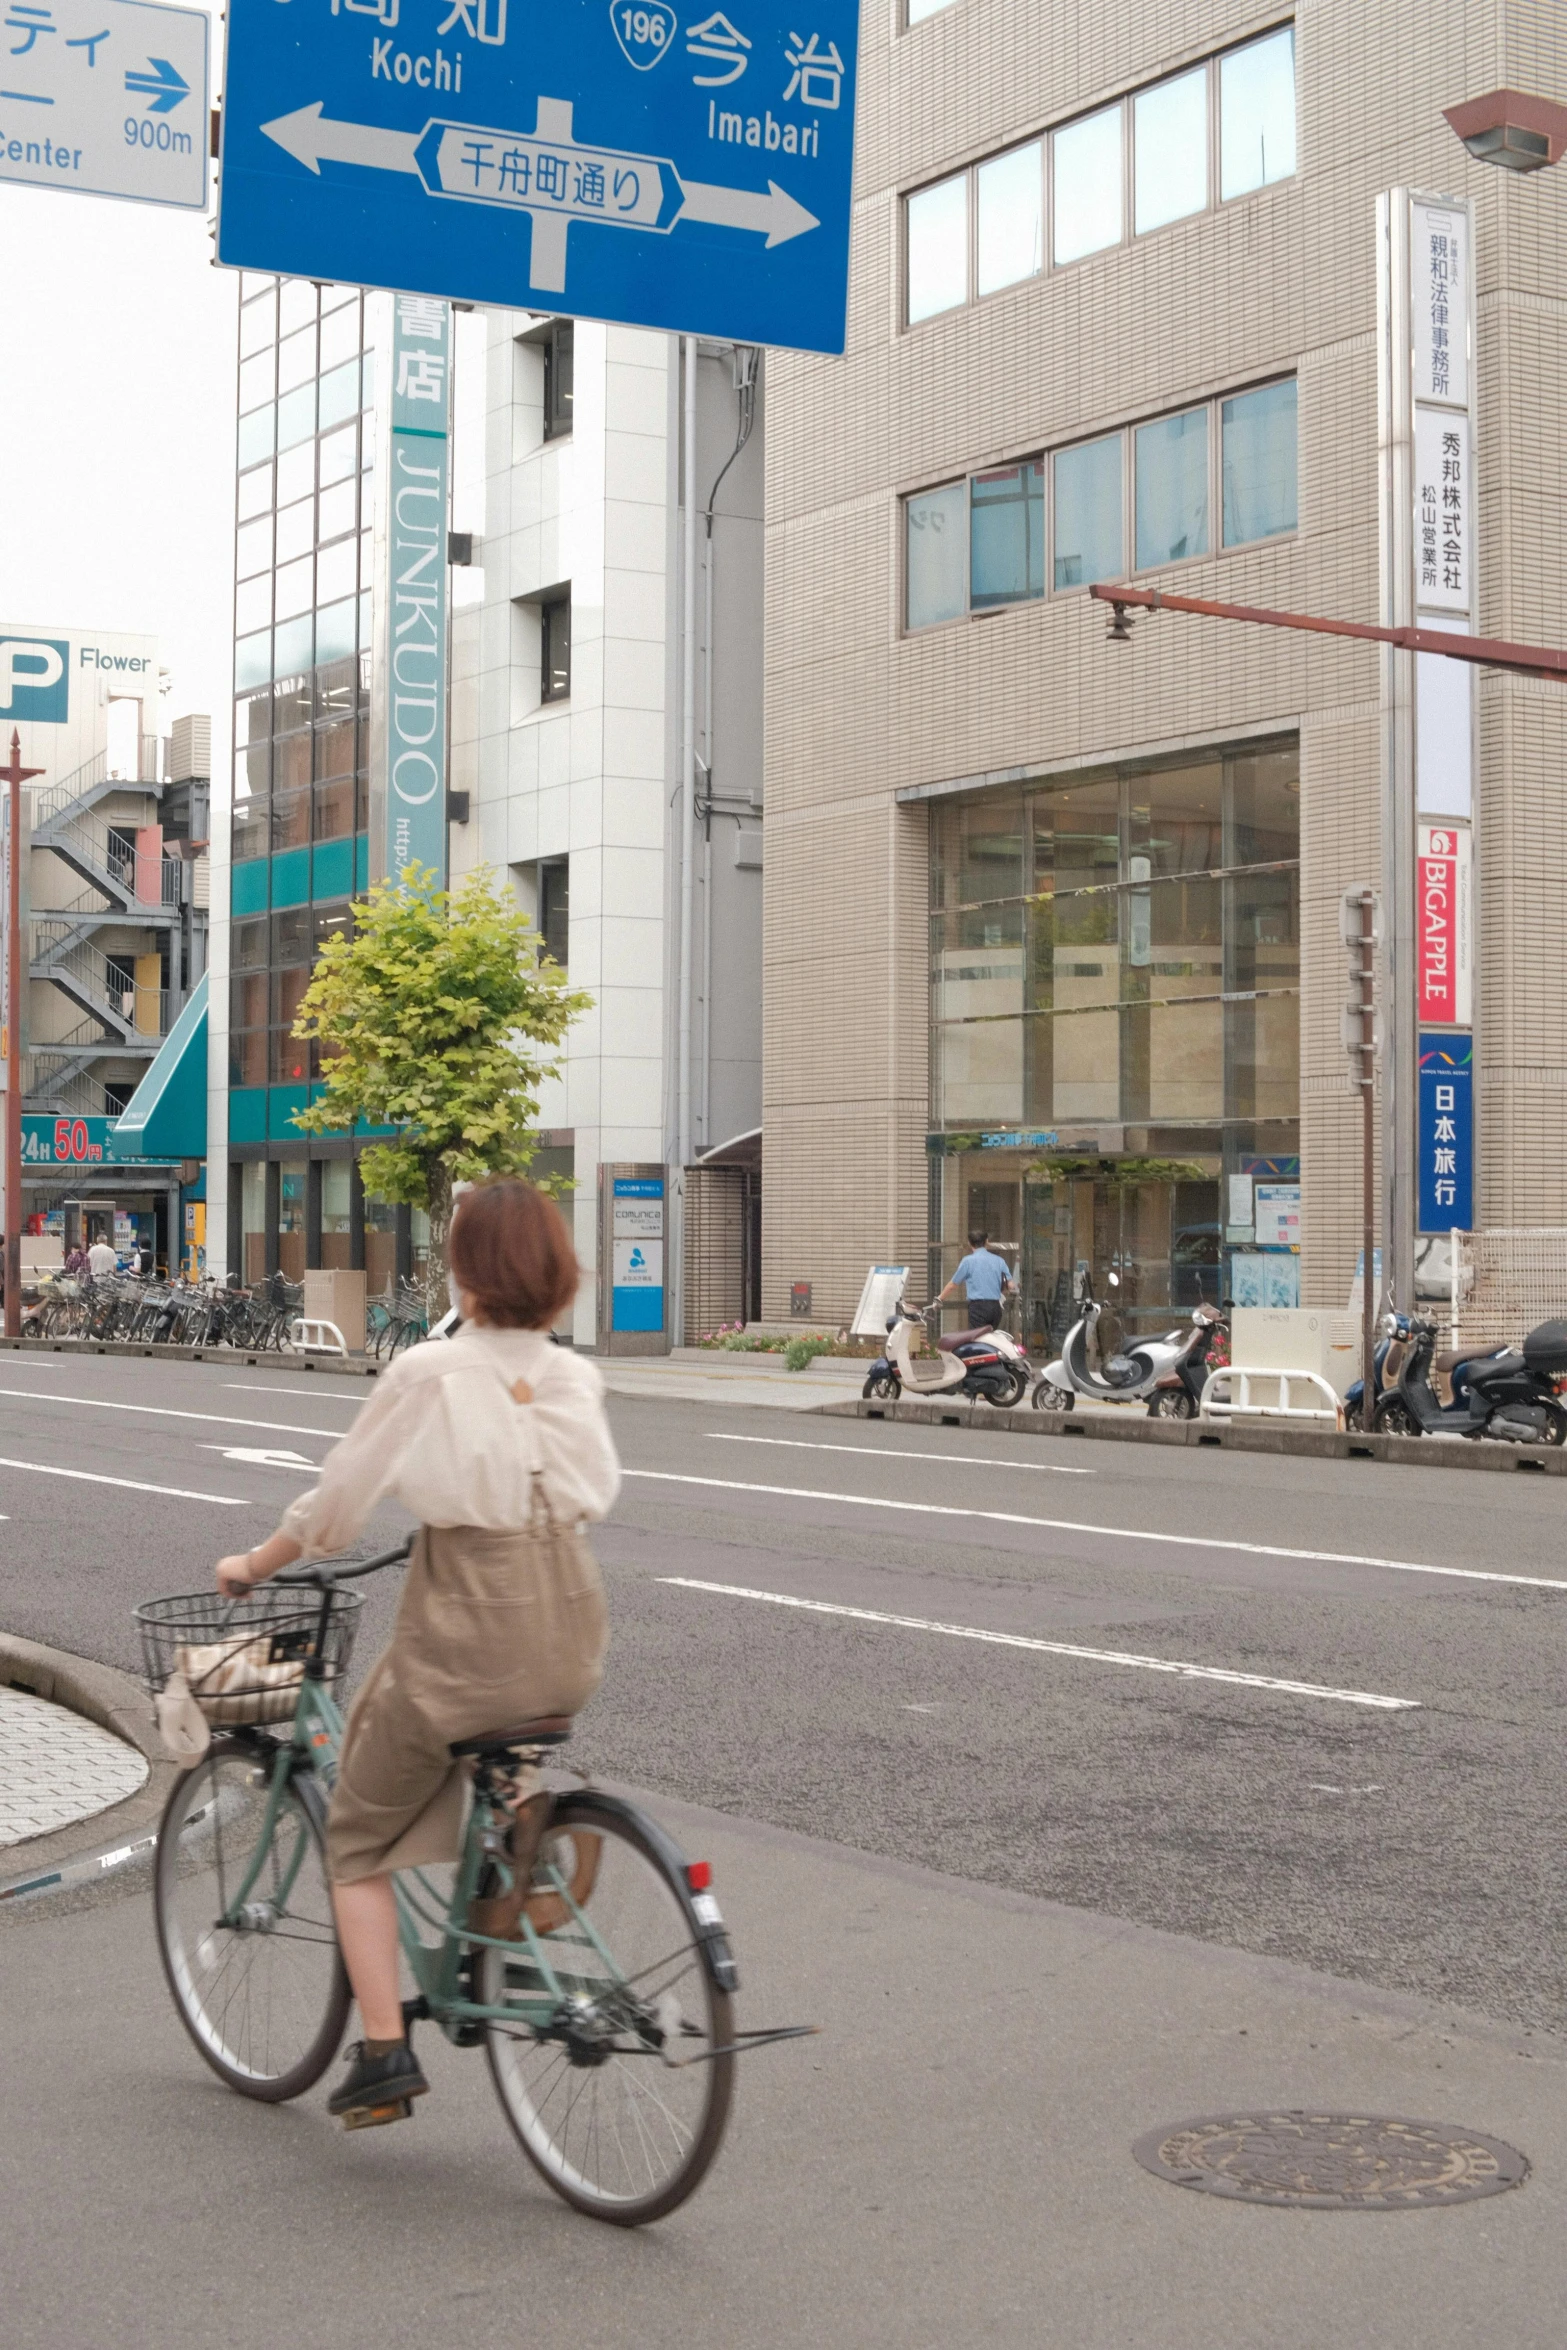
{"x": 1444, "y": 925}
{"x": 685, "y": 170}
{"x": 106, "y": 98}
{"x": 1446, "y": 1138}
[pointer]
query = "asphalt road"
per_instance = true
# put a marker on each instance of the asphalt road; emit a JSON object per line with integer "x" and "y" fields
{"x": 1377, "y": 1796}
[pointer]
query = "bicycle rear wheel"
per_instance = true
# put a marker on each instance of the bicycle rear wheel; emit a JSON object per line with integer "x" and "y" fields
{"x": 621, "y": 2105}
{"x": 263, "y": 1994}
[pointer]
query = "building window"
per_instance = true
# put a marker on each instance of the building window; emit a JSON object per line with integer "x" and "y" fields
{"x": 973, "y": 546}
{"x": 1010, "y": 218}
{"x": 1258, "y": 445}
{"x": 920, "y": 9}
{"x": 1088, "y": 185}
{"x": 938, "y": 556}
{"x": 985, "y": 227}
{"x": 1089, "y": 529}
{"x": 1006, "y": 536}
{"x": 555, "y": 910}
{"x": 1172, "y": 488}
{"x": 555, "y": 649}
{"x": 938, "y": 248}
{"x": 1257, "y": 114}
{"x": 559, "y": 359}
{"x": 1170, "y": 150}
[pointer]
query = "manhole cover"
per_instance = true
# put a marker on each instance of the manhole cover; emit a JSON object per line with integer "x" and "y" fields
{"x": 1331, "y": 2161}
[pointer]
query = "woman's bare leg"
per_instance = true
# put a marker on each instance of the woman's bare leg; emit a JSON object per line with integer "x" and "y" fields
{"x": 367, "y": 1930}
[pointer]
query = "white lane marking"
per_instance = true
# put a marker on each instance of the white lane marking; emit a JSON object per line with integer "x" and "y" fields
{"x": 231, "y": 1501}
{"x": 1265, "y": 1550}
{"x": 321, "y": 1394}
{"x": 886, "y": 1452}
{"x": 1096, "y": 1656}
{"x": 162, "y": 1411}
{"x": 261, "y": 1459}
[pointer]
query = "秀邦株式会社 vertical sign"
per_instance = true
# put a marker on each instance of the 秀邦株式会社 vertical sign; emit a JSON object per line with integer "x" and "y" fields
{"x": 1446, "y": 1143}
{"x": 610, "y": 160}
{"x": 408, "y": 700}
{"x": 106, "y": 98}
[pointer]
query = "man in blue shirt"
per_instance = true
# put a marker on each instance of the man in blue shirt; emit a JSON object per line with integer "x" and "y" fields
{"x": 984, "y": 1279}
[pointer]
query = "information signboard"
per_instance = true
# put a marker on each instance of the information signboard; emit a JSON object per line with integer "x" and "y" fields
{"x": 1446, "y": 1141}
{"x": 106, "y": 98}
{"x": 602, "y": 159}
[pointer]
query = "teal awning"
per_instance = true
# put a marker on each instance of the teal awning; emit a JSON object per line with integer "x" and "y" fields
{"x": 166, "y": 1117}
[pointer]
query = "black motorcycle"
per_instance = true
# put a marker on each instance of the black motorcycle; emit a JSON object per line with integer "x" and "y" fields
{"x": 1511, "y": 1396}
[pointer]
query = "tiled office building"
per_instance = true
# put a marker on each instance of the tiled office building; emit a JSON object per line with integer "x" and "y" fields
{"x": 1052, "y": 922}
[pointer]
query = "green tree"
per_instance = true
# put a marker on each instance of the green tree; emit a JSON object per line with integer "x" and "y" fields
{"x": 436, "y": 1017}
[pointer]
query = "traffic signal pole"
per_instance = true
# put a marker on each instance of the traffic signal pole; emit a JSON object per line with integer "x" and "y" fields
{"x": 14, "y": 775}
{"x": 1360, "y": 925}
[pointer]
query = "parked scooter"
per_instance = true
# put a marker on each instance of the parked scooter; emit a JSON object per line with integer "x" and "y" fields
{"x": 1513, "y": 1396}
{"x": 988, "y": 1364}
{"x": 1131, "y": 1376}
{"x": 1178, "y": 1395}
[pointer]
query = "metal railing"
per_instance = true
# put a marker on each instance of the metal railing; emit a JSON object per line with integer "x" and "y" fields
{"x": 84, "y": 971}
{"x": 97, "y": 774}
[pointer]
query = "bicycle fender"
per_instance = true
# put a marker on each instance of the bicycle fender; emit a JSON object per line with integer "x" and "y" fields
{"x": 711, "y": 1936}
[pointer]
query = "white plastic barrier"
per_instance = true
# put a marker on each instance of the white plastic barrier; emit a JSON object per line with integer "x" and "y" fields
{"x": 315, "y": 1337}
{"x": 1227, "y": 1405}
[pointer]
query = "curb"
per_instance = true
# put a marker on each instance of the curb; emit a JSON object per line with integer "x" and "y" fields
{"x": 335, "y": 1366}
{"x": 117, "y": 1703}
{"x": 1320, "y": 1444}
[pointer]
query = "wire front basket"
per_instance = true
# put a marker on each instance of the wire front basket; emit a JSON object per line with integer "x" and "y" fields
{"x": 244, "y": 1660}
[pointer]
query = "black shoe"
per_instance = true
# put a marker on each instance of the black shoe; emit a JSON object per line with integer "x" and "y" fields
{"x": 379, "y": 2088}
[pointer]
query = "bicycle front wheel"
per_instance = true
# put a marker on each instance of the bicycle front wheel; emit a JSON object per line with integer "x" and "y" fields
{"x": 621, "y": 2100}
{"x": 259, "y": 1981}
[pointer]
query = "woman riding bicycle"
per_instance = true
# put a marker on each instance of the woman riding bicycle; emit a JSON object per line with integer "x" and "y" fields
{"x": 497, "y": 1441}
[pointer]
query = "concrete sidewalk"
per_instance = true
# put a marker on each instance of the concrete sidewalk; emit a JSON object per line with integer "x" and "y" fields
{"x": 949, "y": 2163}
{"x": 699, "y": 1374}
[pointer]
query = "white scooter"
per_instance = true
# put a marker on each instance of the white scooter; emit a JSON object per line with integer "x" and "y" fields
{"x": 1128, "y": 1377}
{"x": 984, "y": 1363}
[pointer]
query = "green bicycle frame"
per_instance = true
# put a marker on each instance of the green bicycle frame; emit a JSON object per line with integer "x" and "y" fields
{"x": 437, "y": 1967}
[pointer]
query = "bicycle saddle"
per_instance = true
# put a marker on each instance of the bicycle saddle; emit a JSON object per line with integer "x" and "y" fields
{"x": 548, "y": 1730}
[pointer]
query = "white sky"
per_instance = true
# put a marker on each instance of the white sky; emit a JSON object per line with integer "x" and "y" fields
{"x": 117, "y": 430}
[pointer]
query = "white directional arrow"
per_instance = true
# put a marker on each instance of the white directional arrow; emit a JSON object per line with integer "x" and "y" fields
{"x": 548, "y": 173}
{"x": 259, "y": 1458}
{"x": 312, "y": 140}
{"x": 776, "y": 215}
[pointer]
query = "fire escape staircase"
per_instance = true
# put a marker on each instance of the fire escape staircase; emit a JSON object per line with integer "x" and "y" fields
{"x": 119, "y": 1019}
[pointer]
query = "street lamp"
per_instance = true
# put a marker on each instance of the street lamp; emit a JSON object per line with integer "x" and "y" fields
{"x": 1511, "y": 129}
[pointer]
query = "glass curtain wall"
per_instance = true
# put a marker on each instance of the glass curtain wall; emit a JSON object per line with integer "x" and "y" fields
{"x": 302, "y": 649}
{"x": 1115, "y": 1019}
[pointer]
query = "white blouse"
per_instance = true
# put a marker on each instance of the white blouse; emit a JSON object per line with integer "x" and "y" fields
{"x": 444, "y": 1434}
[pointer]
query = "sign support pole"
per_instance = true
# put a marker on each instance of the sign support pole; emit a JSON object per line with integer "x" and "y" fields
{"x": 15, "y": 775}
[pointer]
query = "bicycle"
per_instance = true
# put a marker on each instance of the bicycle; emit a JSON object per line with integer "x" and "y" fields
{"x": 608, "y": 2026}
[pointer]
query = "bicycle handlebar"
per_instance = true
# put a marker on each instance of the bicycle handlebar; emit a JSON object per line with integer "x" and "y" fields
{"x": 322, "y": 1573}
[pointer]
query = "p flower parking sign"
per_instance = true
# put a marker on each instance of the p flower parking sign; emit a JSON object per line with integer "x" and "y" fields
{"x": 593, "y": 157}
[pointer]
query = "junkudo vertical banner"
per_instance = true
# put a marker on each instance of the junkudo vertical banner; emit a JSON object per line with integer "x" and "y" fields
{"x": 408, "y": 692}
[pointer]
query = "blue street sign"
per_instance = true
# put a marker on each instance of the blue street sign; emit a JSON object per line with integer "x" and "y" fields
{"x": 106, "y": 98}
{"x": 593, "y": 157}
{"x": 1446, "y": 1141}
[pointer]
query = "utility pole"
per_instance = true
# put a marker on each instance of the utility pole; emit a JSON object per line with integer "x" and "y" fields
{"x": 15, "y": 775}
{"x": 1360, "y": 926}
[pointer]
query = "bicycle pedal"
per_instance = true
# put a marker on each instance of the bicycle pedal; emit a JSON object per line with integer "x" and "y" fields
{"x": 371, "y": 2117}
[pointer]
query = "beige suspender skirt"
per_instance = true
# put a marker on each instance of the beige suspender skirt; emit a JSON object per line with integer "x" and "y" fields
{"x": 492, "y": 1629}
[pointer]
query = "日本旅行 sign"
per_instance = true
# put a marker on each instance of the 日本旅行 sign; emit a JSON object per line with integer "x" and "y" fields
{"x": 609, "y": 159}
{"x": 408, "y": 731}
{"x": 1443, "y": 925}
{"x": 1446, "y": 1138}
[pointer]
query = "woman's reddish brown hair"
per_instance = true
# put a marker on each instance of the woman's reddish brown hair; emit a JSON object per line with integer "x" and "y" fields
{"x": 511, "y": 1252}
